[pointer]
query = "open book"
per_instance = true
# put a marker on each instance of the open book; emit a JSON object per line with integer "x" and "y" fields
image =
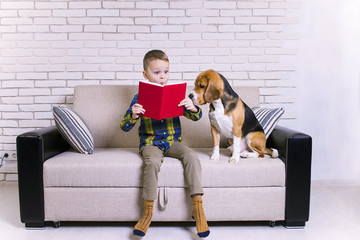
{"x": 160, "y": 101}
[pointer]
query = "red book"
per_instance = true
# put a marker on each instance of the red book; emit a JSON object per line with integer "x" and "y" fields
{"x": 160, "y": 101}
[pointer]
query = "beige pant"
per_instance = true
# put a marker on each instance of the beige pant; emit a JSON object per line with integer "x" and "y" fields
{"x": 153, "y": 158}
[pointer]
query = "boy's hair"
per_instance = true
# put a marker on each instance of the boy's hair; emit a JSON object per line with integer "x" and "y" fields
{"x": 154, "y": 55}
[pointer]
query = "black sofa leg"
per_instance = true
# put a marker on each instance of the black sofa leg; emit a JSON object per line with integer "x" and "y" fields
{"x": 57, "y": 224}
{"x": 35, "y": 225}
{"x": 294, "y": 224}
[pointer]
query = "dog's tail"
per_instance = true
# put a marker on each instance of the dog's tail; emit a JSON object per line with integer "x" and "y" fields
{"x": 272, "y": 152}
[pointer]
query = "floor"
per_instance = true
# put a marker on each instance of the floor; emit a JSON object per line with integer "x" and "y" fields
{"x": 334, "y": 215}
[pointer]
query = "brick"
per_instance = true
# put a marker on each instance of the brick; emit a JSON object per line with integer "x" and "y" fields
{"x": 234, "y": 28}
{"x": 265, "y": 75}
{"x": 217, "y": 20}
{"x": 254, "y": 67}
{"x": 233, "y": 43}
{"x": 69, "y": 13}
{"x": 134, "y": 44}
{"x": 15, "y": 52}
{"x": 118, "y": 5}
{"x": 266, "y": 43}
{"x": 266, "y": 28}
{"x": 218, "y": 36}
{"x": 16, "y": 21}
{"x": 35, "y": 13}
{"x": 116, "y": 68}
{"x": 150, "y": 21}
{"x": 17, "y": 36}
{"x": 117, "y": 21}
{"x": 35, "y": 108}
{"x": 153, "y": 36}
{"x": 98, "y": 59}
{"x": 220, "y": 4}
{"x": 115, "y": 37}
{"x": 17, "y": 100}
{"x": 231, "y": 59}
{"x": 198, "y": 59}
{"x": 152, "y": 5}
{"x": 135, "y": 13}
{"x": 114, "y": 52}
{"x": 8, "y": 92}
{"x": 50, "y": 36}
{"x": 100, "y": 44}
{"x": 99, "y": 28}
{"x": 8, "y": 13}
{"x": 99, "y": 75}
{"x": 34, "y": 123}
{"x": 202, "y": 13}
{"x": 280, "y": 67}
{"x": 235, "y": 13}
{"x": 103, "y": 13}
{"x": 284, "y": 36}
{"x": 49, "y": 20}
{"x": 283, "y": 20}
{"x": 201, "y": 44}
{"x": 252, "y": 5}
{"x": 17, "y": 115}
{"x": 250, "y": 20}
{"x": 133, "y": 29}
{"x": 269, "y": 12}
{"x": 168, "y": 44}
{"x": 49, "y": 52}
{"x": 64, "y": 60}
{"x": 50, "y": 99}
{"x": 167, "y": 28}
{"x": 7, "y": 139}
{"x": 50, "y": 5}
{"x": 129, "y": 76}
{"x": 184, "y": 36}
{"x": 168, "y": 13}
{"x": 50, "y": 83}
{"x": 84, "y": 20}
{"x": 7, "y": 29}
{"x": 251, "y": 36}
{"x": 16, "y": 68}
{"x": 43, "y": 115}
{"x": 198, "y": 28}
{"x": 65, "y": 75}
{"x": 66, "y": 28}
{"x": 82, "y": 67}
{"x": 85, "y": 4}
{"x": 264, "y": 59}
{"x": 73, "y": 83}
{"x": 214, "y": 52}
{"x": 31, "y": 75}
{"x": 285, "y": 5}
{"x": 85, "y": 36}
{"x": 186, "y": 4}
{"x": 33, "y": 44}
{"x": 184, "y": 20}
{"x": 17, "y": 5}
{"x": 281, "y": 51}
{"x": 7, "y": 76}
{"x": 8, "y": 123}
{"x": 67, "y": 44}
{"x": 17, "y": 84}
{"x": 34, "y": 92}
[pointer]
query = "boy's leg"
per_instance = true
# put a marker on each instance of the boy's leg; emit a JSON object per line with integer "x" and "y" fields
{"x": 153, "y": 158}
{"x": 192, "y": 167}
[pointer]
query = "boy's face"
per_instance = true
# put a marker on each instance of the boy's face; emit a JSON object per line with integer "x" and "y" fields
{"x": 157, "y": 72}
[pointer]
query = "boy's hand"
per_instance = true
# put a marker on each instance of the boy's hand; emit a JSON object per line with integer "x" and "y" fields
{"x": 137, "y": 110}
{"x": 188, "y": 104}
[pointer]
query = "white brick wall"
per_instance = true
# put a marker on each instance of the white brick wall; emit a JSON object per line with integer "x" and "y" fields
{"x": 48, "y": 47}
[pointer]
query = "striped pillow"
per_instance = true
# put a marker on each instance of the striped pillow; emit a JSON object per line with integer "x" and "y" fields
{"x": 268, "y": 118}
{"x": 73, "y": 129}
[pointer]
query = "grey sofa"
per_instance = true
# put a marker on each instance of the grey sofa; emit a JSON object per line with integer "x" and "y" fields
{"x": 58, "y": 184}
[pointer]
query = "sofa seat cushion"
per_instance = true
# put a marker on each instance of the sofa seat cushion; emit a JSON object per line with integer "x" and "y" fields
{"x": 122, "y": 167}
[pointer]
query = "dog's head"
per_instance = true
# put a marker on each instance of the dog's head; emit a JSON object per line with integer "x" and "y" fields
{"x": 208, "y": 87}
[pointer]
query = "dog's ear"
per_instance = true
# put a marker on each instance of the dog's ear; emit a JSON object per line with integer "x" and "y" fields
{"x": 214, "y": 88}
{"x": 212, "y": 92}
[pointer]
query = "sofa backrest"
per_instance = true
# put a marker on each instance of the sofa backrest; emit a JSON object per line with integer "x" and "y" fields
{"x": 103, "y": 106}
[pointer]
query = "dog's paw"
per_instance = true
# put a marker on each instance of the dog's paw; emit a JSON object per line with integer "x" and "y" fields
{"x": 244, "y": 154}
{"x": 215, "y": 157}
{"x": 234, "y": 159}
{"x": 230, "y": 149}
{"x": 275, "y": 153}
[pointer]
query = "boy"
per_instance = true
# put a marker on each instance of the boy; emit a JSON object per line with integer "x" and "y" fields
{"x": 163, "y": 138}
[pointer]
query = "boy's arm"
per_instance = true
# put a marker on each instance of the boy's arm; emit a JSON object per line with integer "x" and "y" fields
{"x": 127, "y": 123}
{"x": 193, "y": 115}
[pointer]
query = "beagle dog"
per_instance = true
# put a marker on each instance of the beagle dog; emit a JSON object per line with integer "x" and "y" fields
{"x": 230, "y": 116}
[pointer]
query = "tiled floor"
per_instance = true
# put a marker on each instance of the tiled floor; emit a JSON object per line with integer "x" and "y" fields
{"x": 334, "y": 215}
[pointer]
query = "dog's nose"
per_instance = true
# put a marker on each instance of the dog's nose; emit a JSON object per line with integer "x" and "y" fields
{"x": 191, "y": 96}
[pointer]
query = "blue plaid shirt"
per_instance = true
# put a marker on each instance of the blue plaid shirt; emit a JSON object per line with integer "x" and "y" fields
{"x": 161, "y": 133}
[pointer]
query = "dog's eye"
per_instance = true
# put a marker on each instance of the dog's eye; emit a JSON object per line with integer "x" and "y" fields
{"x": 201, "y": 86}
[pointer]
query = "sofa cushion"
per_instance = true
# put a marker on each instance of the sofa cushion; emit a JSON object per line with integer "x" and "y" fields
{"x": 122, "y": 167}
{"x": 73, "y": 128}
{"x": 268, "y": 118}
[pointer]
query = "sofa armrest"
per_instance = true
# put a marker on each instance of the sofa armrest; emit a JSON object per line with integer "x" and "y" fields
{"x": 33, "y": 149}
{"x": 295, "y": 150}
